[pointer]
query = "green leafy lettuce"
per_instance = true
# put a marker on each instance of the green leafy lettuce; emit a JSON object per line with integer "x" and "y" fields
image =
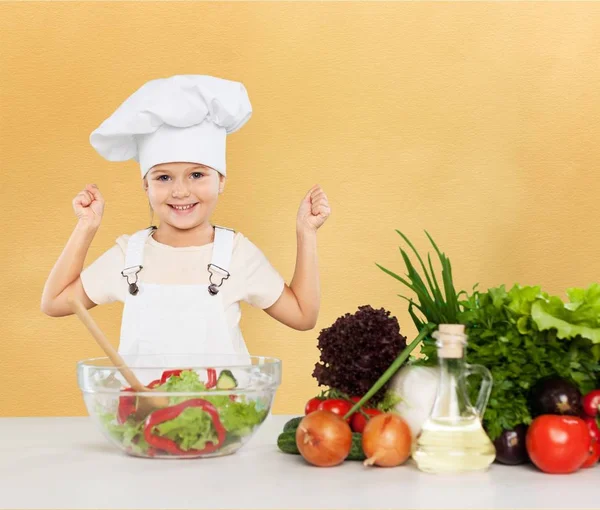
{"x": 579, "y": 317}
{"x": 129, "y": 434}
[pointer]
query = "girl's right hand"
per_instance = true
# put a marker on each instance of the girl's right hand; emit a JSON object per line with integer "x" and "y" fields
{"x": 89, "y": 206}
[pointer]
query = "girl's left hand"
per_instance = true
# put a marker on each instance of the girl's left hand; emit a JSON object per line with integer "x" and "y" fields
{"x": 314, "y": 209}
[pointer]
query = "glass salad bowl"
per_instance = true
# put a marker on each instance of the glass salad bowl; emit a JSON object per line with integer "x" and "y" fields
{"x": 214, "y": 404}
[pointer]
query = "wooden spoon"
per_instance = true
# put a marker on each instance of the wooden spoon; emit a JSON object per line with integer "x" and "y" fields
{"x": 145, "y": 405}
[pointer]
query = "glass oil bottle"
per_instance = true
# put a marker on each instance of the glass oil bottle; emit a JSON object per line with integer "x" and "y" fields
{"x": 452, "y": 439}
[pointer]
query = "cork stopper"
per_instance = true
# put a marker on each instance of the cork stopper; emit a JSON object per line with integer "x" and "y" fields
{"x": 451, "y": 340}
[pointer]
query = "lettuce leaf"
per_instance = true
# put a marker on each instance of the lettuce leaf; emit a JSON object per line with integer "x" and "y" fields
{"x": 238, "y": 417}
{"x": 192, "y": 429}
{"x": 186, "y": 381}
{"x": 129, "y": 434}
{"x": 579, "y": 317}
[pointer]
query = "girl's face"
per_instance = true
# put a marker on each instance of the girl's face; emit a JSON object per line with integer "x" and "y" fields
{"x": 183, "y": 195}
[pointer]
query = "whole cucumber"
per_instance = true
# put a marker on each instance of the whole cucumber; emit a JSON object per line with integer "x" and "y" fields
{"x": 286, "y": 442}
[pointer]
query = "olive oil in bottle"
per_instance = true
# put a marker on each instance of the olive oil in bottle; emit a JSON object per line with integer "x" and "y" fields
{"x": 452, "y": 440}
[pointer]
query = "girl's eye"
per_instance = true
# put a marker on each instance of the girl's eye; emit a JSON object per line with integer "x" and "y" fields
{"x": 197, "y": 175}
{"x": 162, "y": 178}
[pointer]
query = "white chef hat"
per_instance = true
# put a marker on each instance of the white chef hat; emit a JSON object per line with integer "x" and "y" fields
{"x": 182, "y": 118}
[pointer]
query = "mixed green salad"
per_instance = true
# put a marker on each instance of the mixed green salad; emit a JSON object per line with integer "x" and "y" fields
{"x": 189, "y": 426}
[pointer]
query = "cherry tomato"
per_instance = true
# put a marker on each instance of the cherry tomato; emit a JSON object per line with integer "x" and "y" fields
{"x": 593, "y": 455}
{"x": 358, "y": 421}
{"x": 336, "y": 406}
{"x": 312, "y": 405}
{"x": 558, "y": 444}
{"x": 591, "y": 403}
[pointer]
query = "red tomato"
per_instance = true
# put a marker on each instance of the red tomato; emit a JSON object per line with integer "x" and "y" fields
{"x": 593, "y": 455}
{"x": 358, "y": 421}
{"x": 558, "y": 444}
{"x": 336, "y": 406}
{"x": 312, "y": 405}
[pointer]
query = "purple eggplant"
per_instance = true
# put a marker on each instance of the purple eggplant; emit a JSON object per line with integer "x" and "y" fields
{"x": 555, "y": 395}
{"x": 510, "y": 446}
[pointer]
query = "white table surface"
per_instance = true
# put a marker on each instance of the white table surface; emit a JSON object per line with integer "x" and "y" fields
{"x": 66, "y": 463}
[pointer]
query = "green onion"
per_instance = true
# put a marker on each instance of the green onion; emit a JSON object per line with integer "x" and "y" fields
{"x": 437, "y": 307}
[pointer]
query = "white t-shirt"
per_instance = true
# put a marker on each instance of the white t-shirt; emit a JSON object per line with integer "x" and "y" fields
{"x": 252, "y": 278}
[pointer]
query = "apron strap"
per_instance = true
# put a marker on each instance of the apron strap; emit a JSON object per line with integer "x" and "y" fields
{"x": 134, "y": 258}
{"x": 218, "y": 267}
{"x": 221, "y": 258}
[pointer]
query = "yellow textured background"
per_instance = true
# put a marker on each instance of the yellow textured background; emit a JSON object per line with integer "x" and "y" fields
{"x": 479, "y": 122}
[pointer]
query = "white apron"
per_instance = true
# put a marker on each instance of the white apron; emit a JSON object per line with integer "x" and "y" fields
{"x": 176, "y": 319}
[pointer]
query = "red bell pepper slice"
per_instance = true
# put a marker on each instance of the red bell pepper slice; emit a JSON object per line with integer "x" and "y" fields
{"x": 591, "y": 403}
{"x": 168, "y": 373}
{"x": 168, "y": 413}
{"x": 127, "y": 405}
{"x": 212, "y": 378}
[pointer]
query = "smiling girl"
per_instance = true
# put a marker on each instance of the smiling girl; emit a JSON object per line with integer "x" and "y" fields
{"x": 182, "y": 282}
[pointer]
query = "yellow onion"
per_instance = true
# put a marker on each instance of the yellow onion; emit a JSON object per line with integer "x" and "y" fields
{"x": 386, "y": 441}
{"x": 323, "y": 438}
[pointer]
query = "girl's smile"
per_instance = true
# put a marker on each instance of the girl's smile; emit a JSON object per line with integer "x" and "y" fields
{"x": 183, "y": 209}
